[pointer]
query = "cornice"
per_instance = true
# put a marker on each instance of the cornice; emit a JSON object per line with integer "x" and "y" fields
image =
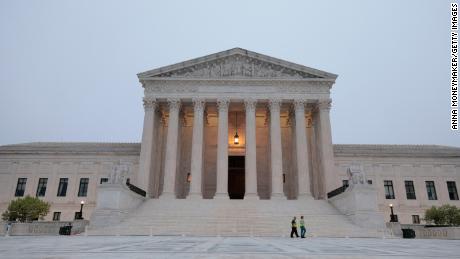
{"x": 72, "y": 148}
{"x": 340, "y": 150}
{"x": 428, "y": 151}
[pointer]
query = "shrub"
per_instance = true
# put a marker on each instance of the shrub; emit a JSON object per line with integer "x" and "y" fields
{"x": 444, "y": 215}
{"x": 26, "y": 209}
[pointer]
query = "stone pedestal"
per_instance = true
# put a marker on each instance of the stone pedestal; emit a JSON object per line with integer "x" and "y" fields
{"x": 114, "y": 202}
{"x": 359, "y": 204}
{"x": 394, "y": 229}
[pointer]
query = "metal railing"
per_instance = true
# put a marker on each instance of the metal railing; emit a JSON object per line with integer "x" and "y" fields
{"x": 135, "y": 189}
{"x": 337, "y": 191}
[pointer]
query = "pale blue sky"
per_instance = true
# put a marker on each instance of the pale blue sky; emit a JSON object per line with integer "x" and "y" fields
{"x": 68, "y": 68}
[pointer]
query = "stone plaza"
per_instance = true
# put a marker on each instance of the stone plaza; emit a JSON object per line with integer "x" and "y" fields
{"x": 223, "y": 247}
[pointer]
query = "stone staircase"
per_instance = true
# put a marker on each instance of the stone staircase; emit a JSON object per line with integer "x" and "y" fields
{"x": 223, "y": 217}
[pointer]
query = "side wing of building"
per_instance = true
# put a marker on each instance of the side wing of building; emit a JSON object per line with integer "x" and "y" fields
{"x": 410, "y": 177}
{"x": 63, "y": 174}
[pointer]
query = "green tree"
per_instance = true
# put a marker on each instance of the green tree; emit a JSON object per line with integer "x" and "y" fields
{"x": 444, "y": 215}
{"x": 26, "y": 209}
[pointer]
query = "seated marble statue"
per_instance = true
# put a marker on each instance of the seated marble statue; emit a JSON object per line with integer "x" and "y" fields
{"x": 119, "y": 174}
{"x": 356, "y": 176}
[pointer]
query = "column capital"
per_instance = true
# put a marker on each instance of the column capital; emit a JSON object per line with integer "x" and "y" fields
{"x": 198, "y": 104}
{"x": 325, "y": 104}
{"x": 274, "y": 104}
{"x": 299, "y": 104}
{"x": 174, "y": 103}
{"x": 250, "y": 104}
{"x": 222, "y": 104}
{"x": 149, "y": 104}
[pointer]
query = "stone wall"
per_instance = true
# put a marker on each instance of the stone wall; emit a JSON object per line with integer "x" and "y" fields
{"x": 434, "y": 232}
{"x": 45, "y": 228}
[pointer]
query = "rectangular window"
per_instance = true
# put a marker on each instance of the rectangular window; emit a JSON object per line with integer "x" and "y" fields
{"x": 369, "y": 181}
{"x": 415, "y": 219}
{"x": 431, "y": 190}
{"x": 344, "y": 182}
{"x": 410, "y": 190}
{"x": 41, "y": 188}
{"x": 57, "y": 216}
{"x": 62, "y": 188}
{"x": 20, "y": 187}
{"x": 83, "y": 190}
{"x": 389, "y": 191}
{"x": 452, "y": 188}
{"x": 104, "y": 180}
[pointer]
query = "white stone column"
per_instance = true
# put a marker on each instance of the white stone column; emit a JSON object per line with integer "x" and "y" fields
{"x": 326, "y": 148}
{"x": 301, "y": 150}
{"x": 251, "y": 161}
{"x": 276, "y": 149}
{"x": 147, "y": 148}
{"x": 171, "y": 150}
{"x": 312, "y": 155}
{"x": 222, "y": 149}
{"x": 197, "y": 149}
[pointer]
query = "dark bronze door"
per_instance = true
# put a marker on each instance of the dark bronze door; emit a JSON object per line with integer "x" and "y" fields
{"x": 236, "y": 177}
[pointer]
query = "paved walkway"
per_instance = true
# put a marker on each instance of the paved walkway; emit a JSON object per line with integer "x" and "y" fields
{"x": 223, "y": 247}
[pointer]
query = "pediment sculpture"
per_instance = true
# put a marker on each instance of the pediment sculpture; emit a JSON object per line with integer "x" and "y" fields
{"x": 236, "y": 66}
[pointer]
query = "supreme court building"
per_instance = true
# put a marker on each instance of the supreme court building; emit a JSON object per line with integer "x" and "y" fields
{"x": 229, "y": 140}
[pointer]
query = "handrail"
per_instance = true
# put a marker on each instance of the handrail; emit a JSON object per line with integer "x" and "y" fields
{"x": 135, "y": 189}
{"x": 337, "y": 191}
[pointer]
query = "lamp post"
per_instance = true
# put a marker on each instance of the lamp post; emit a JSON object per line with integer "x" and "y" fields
{"x": 81, "y": 209}
{"x": 392, "y": 216}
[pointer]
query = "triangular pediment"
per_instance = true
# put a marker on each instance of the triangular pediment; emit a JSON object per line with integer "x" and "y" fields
{"x": 236, "y": 63}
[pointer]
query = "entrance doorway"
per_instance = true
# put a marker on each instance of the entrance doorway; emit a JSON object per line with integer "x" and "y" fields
{"x": 236, "y": 177}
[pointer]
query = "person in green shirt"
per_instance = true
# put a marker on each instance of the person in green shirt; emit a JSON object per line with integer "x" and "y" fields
{"x": 303, "y": 230}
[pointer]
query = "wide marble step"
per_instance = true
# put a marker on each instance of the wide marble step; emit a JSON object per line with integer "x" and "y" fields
{"x": 223, "y": 217}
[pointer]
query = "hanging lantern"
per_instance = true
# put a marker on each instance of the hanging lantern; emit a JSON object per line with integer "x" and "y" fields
{"x": 236, "y": 138}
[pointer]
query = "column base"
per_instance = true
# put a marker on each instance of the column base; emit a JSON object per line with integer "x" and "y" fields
{"x": 278, "y": 197}
{"x": 251, "y": 196}
{"x": 305, "y": 196}
{"x": 195, "y": 196}
{"x": 167, "y": 196}
{"x": 221, "y": 196}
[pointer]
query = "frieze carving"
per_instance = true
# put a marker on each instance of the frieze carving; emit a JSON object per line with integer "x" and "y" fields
{"x": 196, "y": 87}
{"x": 237, "y": 66}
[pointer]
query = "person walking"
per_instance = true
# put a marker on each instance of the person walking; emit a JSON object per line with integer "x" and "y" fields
{"x": 294, "y": 228}
{"x": 303, "y": 230}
